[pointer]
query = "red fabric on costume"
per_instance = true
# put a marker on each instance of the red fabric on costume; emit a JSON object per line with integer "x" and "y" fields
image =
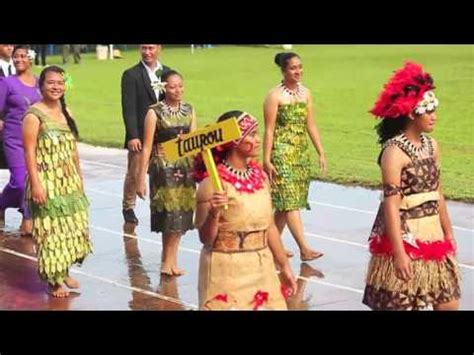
{"x": 221, "y": 297}
{"x": 259, "y": 299}
{"x": 426, "y": 250}
{"x": 285, "y": 291}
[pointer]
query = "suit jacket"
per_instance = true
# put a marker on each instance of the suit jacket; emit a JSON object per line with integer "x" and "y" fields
{"x": 137, "y": 97}
{"x": 2, "y": 73}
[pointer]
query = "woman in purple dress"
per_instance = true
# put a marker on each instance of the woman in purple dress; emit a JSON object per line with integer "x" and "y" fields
{"x": 17, "y": 94}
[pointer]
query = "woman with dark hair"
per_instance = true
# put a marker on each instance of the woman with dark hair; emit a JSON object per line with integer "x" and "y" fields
{"x": 55, "y": 190}
{"x": 289, "y": 116}
{"x": 413, "y": 262}
{"x": 17, "y": 93}
{"x": 172, "y": 188}
{"x": 241, "y": 242}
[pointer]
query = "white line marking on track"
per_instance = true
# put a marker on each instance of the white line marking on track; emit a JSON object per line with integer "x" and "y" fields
{"x": 197, "y": 251}
{"x": 311, "y": 202}
{"x": 370, "y": 212}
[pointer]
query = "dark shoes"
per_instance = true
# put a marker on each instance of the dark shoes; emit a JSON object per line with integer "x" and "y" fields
{"x": 2, "y": 219}
{"x": 129, "y": 216}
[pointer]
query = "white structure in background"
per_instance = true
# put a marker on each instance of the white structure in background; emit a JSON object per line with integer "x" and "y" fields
{"x": 286, "y": 47}
{"x": 105, "y": 52}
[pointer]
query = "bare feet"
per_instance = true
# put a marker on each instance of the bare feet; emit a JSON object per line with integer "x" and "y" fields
{"x": 308, "y": 255}
{"x": 71, "y": 283}
{"x": 58, "y": 291}
{"x": 166, "y": 269}
{"x": 171, "y": 270}
{"x": 177, "y": 272}
{"x": 307, "y": 271}
{"x": 26, "y": 227}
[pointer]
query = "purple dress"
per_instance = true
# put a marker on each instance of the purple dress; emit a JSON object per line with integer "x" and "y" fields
{"x": 15, "y": 99}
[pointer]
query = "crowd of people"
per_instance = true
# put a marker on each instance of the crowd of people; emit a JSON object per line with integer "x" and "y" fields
{"x": 412, "y": 244}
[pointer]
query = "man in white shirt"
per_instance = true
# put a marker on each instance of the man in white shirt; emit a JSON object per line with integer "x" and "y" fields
{"x": 141, "y": 87}
{"x": 6, "y": 69}
{"x": 6, "y": 62}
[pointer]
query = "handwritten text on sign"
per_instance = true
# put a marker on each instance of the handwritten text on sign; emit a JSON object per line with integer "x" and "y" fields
{"x": 199, "y": 140}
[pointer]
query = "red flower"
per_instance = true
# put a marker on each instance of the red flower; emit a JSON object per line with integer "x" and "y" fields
{"x": 285, "y": 291}
{"x": 221, "y": 297}
{"x": 259, "y": 299}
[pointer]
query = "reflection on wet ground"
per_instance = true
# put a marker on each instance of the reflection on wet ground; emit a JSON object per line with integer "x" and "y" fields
{"x": 124, "y": 270}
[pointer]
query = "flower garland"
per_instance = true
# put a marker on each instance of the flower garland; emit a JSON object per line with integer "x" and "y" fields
{"x": 249, "y": 180}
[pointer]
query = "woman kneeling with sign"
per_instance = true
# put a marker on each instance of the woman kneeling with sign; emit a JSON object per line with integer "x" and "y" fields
{"x": 240, "y": 239}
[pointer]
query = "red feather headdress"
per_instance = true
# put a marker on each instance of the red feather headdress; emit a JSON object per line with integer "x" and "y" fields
{"x": 403, "y": 92}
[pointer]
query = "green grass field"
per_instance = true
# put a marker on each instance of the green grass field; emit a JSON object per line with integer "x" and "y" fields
{"x": 344, "y": 79}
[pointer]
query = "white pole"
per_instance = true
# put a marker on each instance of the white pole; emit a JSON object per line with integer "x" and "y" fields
{"x": 111, "y": 51}
{"x": 192, "y": 48}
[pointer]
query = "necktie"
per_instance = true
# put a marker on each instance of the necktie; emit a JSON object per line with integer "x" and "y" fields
{"x": 10, "y": 71}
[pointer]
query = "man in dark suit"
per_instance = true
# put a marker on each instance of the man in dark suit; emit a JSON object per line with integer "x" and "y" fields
{"x": 140, "y": 89}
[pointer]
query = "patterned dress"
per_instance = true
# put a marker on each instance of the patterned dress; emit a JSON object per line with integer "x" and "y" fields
{"x": 290, "y": 153}
{"x": 172, "y": 187}
{"x": 436, "y": 273}
{"x": 60, "y": 227}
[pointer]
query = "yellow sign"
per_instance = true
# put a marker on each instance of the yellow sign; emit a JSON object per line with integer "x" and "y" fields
{"x": 202, "y": 139}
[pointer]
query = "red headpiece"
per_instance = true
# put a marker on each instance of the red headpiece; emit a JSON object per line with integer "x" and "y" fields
{"x": 247, "y": 124}
{"x": 403, "y": 92}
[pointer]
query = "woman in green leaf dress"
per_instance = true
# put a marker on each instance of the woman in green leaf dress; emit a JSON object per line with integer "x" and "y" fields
{"x": 55, "y": 192}
{"x": 288, "y": 112}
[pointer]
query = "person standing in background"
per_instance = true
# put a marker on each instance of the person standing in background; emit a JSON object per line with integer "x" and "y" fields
{"x": 141, "y": 88}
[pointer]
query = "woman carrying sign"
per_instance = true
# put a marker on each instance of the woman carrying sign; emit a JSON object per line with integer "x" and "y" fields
{"x": 241, "y": 241}
{"x": 172, "y": 188}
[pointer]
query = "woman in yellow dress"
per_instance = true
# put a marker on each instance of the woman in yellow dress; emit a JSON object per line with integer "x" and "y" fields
{"x": 54, "y": 189}
{"x": 241, "y": 242}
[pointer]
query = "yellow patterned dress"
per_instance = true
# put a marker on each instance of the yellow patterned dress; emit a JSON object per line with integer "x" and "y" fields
{"x": 60, "y": 227}
{"x": 172, "y": 187}
{"x": 290, "y": 153}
